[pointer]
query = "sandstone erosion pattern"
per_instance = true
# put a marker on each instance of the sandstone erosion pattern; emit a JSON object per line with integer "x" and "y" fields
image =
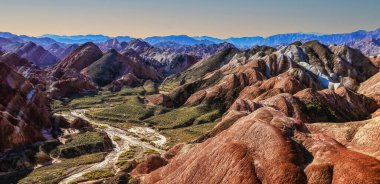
{"x": 299, "y": 113}
{"x": 268, "y": 147}
{"x": 273, "y": 99}
{"x": 24, "y": 115}
{"x": 67, "y": 79}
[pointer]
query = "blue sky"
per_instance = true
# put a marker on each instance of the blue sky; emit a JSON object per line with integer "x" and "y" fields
{"x": 219, "y": 18}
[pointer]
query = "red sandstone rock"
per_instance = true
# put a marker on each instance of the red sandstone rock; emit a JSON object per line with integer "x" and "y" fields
{"x": 225, "y": 91}
{"x": 371, "y": 88}
{"x": 348, "y": 166}
{"x": 259, "y": 148}
{"x": 152, "y": 163}
{"x": 79, "y": 59}
{"x": 250, "y": 151}
{"x": 126, "y": 80}
{"x": 361, "y": 136}
{"x": 67, "y": 87}
{"x": 160, "y": 99}
{"x": 342, "y": 104}
{"x": 25, "y": 68}
{"x": 227, "y": 121}
{"x": 24, "y": 110}
{"x": 172, "y": 152}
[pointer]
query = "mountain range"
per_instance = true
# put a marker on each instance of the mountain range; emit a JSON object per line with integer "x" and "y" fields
{"x": 241, "y": 42}
{"x": 303, "y": 108}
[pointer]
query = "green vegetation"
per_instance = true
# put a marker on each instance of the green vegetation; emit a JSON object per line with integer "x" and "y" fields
{"x": 116, "y": 139}
{"x": 103, "y": 99}
{"x": 98, "y": 174}
{"x": 42, "y": 157}
{"x": 322, "y": 113}
{"x": 83, "y": 139}
{"x": 208, "y": 117}
{"x": 187, "y": 134}
{"x": 83, "y": 102}
{"x": 133, "y": 110}
{"x": 121, "y": 163}
{"x": 58, "y": 106}
{"x": 106, "y": 69}
{"x": 182, "y": 117}
{"x": 125, "y": 125}
{"x": 151, "y": 151}
{"x": 132, "y": 180}
{"x": 127, "y": 108}
{"x": 150, "y": 87}
{"x": 131, "y": 91}
{"x": 82, "y": 143}
{"x": 56, "y": 172}
{"x": 127, "y": 165}
{"x": 99, "y": 126}
{"x": 128, "y": 154}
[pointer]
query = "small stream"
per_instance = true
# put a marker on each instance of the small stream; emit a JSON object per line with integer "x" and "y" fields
{"x": 120, "y": 147}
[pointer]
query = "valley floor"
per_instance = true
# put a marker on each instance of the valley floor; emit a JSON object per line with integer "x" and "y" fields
{"x": 135, "y": 128}
{"x": 123, "y": 142}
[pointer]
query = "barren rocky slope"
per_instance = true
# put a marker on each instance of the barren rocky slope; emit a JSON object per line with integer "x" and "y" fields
{"x": 266, "y": 146}
{"x": 269, "y": 99}
{"x": 24, "y": 111}
{"x": 35, "y": 54}
{"x": 298, "y": 113}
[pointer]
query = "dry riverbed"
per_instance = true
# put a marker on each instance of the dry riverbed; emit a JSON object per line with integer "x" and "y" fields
{"x": 145, "y": 139}
{"x": 130, "y": 145}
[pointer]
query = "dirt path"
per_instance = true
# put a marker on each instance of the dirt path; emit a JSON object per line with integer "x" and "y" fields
{"x": 126, "y": 140}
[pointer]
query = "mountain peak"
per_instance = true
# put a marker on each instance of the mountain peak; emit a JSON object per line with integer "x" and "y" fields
{"x": 88, "y": 44}
{"x": 112, "y": 41}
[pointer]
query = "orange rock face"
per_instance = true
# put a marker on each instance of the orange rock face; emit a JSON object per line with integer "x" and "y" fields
{"x": 347, "y": 166}
{"x": 152, "y": 163}
{"x": 360, "y": 136}
{"x": 371, "y": 88}
{"x": 250, "y": 151}
{"x": 267, "y": 147}
{"x": 160, "y": 99}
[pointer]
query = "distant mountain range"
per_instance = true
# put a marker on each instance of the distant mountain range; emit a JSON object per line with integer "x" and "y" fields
{"x": 274, "y": 40}
{"x": 85, "y": 38}
{"x": 240, "y": 42}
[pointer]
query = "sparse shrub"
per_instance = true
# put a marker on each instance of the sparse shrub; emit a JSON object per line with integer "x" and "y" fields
{"x": 98, "y": 174}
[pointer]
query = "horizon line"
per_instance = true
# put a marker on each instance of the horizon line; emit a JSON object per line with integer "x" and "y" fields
{"x": 191, "y": 36}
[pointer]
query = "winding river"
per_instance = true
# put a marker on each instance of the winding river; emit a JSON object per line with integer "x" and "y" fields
{"x": 126, "y": 140}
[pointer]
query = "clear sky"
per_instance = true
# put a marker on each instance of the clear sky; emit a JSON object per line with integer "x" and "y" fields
{"x": 219, "y": 18}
